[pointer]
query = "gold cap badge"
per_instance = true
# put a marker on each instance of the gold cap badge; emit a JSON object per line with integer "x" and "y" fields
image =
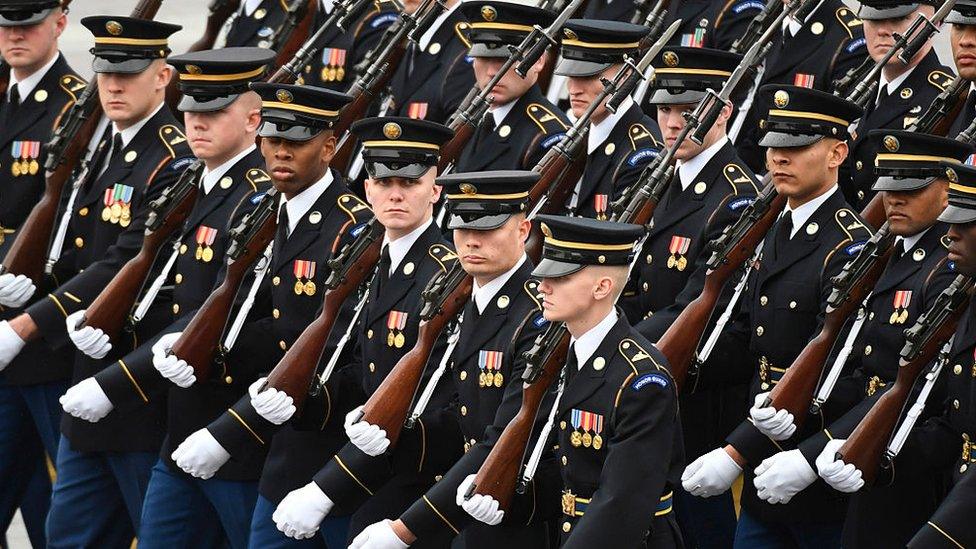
{"x": 285, "y": 96}
{"x": 891, "y": 143}
{"x": 568, "y": 33}
{"x": 488, "y": 13}
{"x": 113, "y": 27}
{"x": 781, "y": 98}
{"x": 670, "y": 58}
{"x": 468, "y": 188}
{"x": 392, "y": 130}
{"x": 193, "y": 69}
{"x": 951, "y": 175}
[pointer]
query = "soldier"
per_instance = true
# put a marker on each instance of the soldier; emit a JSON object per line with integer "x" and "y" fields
{"x": 915, "y": 193}
{"x": 142, "y": 152}
{"x": 784, "y": 303}
{"x": 486, "y": 208}
{"x": 904, "y": 91}
{"x": 45, "y": 87}
{"x": 619, "y": 145}
{"x": 811, "y": 53}
{"x": 962, "y": 39}
{"x": 952, "y": 524}
{"x": 256, "y": 23}
{"x": 521, "y": 124}
{"x": 435, "y": 74}
{"x": 317, "y": 216}
{"x": 222, "y": 118}
{"x": 710, "y": 189}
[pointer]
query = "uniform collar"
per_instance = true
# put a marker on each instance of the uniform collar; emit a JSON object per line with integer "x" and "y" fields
{"x": 429, "y": 35}
{"x": 484, "y": 294}
{"x": 210, "y": 178}
{"x": 588, "y": 343}
{"x": 600, "y": 131}
{"x": 802, "y": 213}
{"x": 888, "y": 87}
{"x": 398, "y": 248}
{"x": 795, "y": 26}
{"x": 500, "y": 112}
{"x": 130, "y": 133}
{"x": 248, "y": 7}
{"x": 301, "y": 204}
{"x": 27, "y": 85}
{"x": 911, "y": 241}
{"x": 689, "y": 170}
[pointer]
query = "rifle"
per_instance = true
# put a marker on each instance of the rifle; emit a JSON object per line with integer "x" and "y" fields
{"x": 376, "y": 71}
{"x": 526, "y": 54}
{"x": 200, "y": 340}
{"x": 293, "y": 30}
{"x": 794, "y": 391}
{"x": 943, "y": 110}
{"x": 5, "y": 67}
{"x": 220, "y": 12}
{"x": 295, "y": 371}
{"x": 110, "y": 309}
{"x": 654, "y": 19}
{"x": 758, "y": 26}
{"x": 64, "y": 151}
{"x": 866, "y": 445}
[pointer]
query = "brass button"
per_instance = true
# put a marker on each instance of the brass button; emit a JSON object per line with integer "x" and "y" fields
{"x": 957, "y": 369}
{"x": 763, "y": 300}
{"x": 464, "y": 410}
{"x": 955, "y": 404}
{"x": 179, "y": 278}
{"x": 871, "y": 316}
{"x": 765, "y": 386}
{"x": 649, "y": 259}
{"x": 562, "y": 425}
{"x": 182, "y": 249}
{"x": 437, "y": 478}
{"x": 963, "y": 467}
{"x": 83, "y": 212}
{"x": 176, "y": 308}
{"x": 282, "y": 344}
{"x": 369, "y": 334}
{"x": 760, "y": 330}
{"x": 228, "y": 380}
{"x": 463, "y": 375}
{"x": 372, "y": 367}
{"x": 79, "y": 242}
{"x": 867, "y": 350}
{"x": 275, "y": 313}
{"x": 860, "y": 195}
{"x": 792, "y": 304}
{"x": 645, "y": 286}
{"x": 566, "y": 526}
{"x": 276, "y": 280}
{"x": 564, "y": 460}
{"x": 859, "y": 165}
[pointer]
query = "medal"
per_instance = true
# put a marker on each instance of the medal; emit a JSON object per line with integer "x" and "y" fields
{"x": 396, "y": 321}
{"x": 199, "y": 253}
{"x": 576, "y": 418}
{"x": 124, "y": 222}
{"x": 15, "y": 168}
{"x": 205, "y": 237}
{"x": 309, "y": 288}
{"x": 575, "y": 439}
{"x": 600, "y": 203}
{"x": 340, "y": 73}
{"x": 116, "y": 212}
{"x": 499, "y": 379}
{"x": 903, "y": 316}
{"x": 597, "y": 442}
{"x": 671, "y": 262}
{"x": 682, "y": 263}
{"x": 893, "y": 319}
{"x": 299, "y": 287}
{"x": 587, "y": 424}
{"x": 481, "y": 379}
{"x": 106, "y": 213}
{"x": 208, "y": 255}
{"x": 902, "y": 300}
{"x": 400, "y": 340}
{"x": 491, "y": 361}
{"x": 587, "y": 439}
{"x": 597, "y": 429}
{"x": 678, "y": 248}
{"x": 34, "y": 167}
{"x": 389, "y": 339}
{"x": 304, "y": 271}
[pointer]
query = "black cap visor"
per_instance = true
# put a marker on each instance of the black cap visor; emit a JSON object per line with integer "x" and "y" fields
{"x": 673, "y": 96}
{"x": 781, "y": 140}
{"x": 120, "y": 65}
{"x": 870, "y": 13}
{"x": 957, "y": 215}
{"x": 580, "y": 68}
{"x": 23, "y": 18}
{"x": 890, "y": 183}
{"x": 477, "y": 221}
{"x": 551, "y": 268}
{"x": 288, "y": 130}
{"x": 206, "y": 104}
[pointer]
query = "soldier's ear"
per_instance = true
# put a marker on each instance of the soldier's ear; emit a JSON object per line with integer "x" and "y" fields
{"x": 837, "y": 154}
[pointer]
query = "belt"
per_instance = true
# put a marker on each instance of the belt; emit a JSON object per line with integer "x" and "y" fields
{"x": 968, "y": 453}
{"x": 468, "y": 444}
{"x": 575, "y": 506}
{"x": 4, "y": 232}
{"x": 874, "y": 383}
{"x": 769, "y": 375}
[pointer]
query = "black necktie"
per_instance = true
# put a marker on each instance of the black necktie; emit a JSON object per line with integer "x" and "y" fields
{"x": 572, "y": 365}
{"x": 284, "y": 229}
{"x": 970, "y": 110}
{"x": 383, "y": 270}
{"x": 98, "y": 161}
{"x": 782, "y": 235}
{"x": 9, "y": 107}
{"x": 14, "y": 96}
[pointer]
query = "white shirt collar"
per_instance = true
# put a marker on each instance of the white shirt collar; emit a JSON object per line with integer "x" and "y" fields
{"x": 888, "y": 87}
{"x": 27, "y": 85}
{"x": 588, "y": 343}
{"x": 484, "y": 294}
{"x": 501, "y": 111}
{"x": 794, "y": 26}
{"x": 248, "y": 7}
{"x": 803, "y": 212}
{"x": 211, "y": 177}
{"x": 301, "y": 204}
{"x": 911, "y": 241}
{"x": 601, "y": 131}
{"x": 429, "y": 35}
{"x": 130, "y": 133}
{"x": 398, "y": 248}
{"x": 689, "y": 169}
{"x": 327, "y": 5}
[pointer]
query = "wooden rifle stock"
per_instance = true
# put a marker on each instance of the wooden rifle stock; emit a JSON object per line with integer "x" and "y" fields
{"x": 295, "y": 371}
{"x": 451, "y": 150}
{"x": 559, "y": 175}
{"x": 680, "y": 342}
{"x": 943, "y": 110}
{"x": 866, "y": 445}
{"x": 499, "y": 473}
{"x": 200, "y": 339}
{"x": 794, "y": 392}
{"x": 296, "y": 27}
{"x": 110, "y": 310}
{"x": 390, "y": 403}
{"x": 220, "y": 12}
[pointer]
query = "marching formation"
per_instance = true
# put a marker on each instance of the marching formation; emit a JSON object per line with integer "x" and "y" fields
{"x": 486, "y": 273}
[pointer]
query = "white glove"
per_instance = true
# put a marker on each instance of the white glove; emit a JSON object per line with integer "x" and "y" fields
{"x": 200, "y": 455}
{"x": 369, "y": 438}
{"x": 170, "y": 366}
{"x": 10, "y": 344}
{"x": 271, "y": 404}
{"x": 86, "y": 400}
{"x": 15, "y": 290}
{"x": 782, "y": 476}
{"x": 710, "y": 474}
{"x": 299, "y": 515}
{"x": 89, "y": 340}
{"x": 843, "y": 477}
{"x": 379, "y": 535}
{"x": 481, "y": 507}
{"x": 775, "y": 424}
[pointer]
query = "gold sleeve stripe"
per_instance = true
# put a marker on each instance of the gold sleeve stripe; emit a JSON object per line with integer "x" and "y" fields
{"x": 946, "y": 534}
{"x": 348, "y": 472}
{"x": 72, "y": 297}
{"x": 246, "y": 426}
{"x": 447, "y": 522}
{"x": 54, "y": 298}
{"x": 128, "y": 374}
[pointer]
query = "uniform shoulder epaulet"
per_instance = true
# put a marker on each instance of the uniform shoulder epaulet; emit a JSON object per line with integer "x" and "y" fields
{"x": 460, "y": 29}
{"x": 547, "y": 121}
{"x": 739, "y": 179}
{"x": 172, "y": 136}
{"x": 854, "y": 229}
{"x": 357, "y": 210}
{"x": 443, "y": 255}
{"x": 258, "y": 178}
{"x": 642, "y": 145}
{"x": 940, "y": 79}
{"x": 646, "y": 369}
{"x": 531, "y": 287}
{"x": 72, "y": 85}
{"x": 945, "y": 241}
{"x": 383, "y": 15}
{"x": 848, "y": 20}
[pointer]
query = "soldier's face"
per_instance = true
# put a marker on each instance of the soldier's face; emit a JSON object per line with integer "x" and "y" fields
{"x": 488, "y": 254}
{"x": 295, "y": 165}
{"x": 911, "y": 212}
{"x": 573, "y": 297}
{"x": 511, "y": 86}
{"x": 962, "y": 247}
{"x": 401, "y": 205}
{"x": 29, "y": 48}
{"x": 584, "y": 90}
{"x": 216, "y": 137}
{"x": 128, "y": 98}
{"x": 804, "y": 173}
{"x": 880, "y": 34}
{"x": 963, "y": 41}
{"x": 671, "y": 120}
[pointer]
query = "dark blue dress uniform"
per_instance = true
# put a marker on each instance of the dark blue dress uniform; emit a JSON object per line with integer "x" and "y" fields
{"x": 430, "y": 83}
{"x": 829, "y": 44}
{"x": 711, "y": 23}
{"x": 963, "y": 13}
{"x": 259, "y": 27}
{"x": 590, "y": 47}
{"x": 783, "y": 305}
{"x": 533, "y": 124}
{"x": 617, "y": 434}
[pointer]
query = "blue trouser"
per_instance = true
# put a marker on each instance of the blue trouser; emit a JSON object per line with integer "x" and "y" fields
{"x": 97, "y": 499}
{"x": 264, "y": 534}
{"x": 755, "y": 534}
{"x": 30, "y": 418}
{"x": 705, "y": 522}
{"x": 182, "y": 511}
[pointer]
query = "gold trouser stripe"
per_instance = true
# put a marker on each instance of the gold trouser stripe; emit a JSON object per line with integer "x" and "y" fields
{"x": 134, "y": 382}
{"x": 447, "y": 522}
{"x": 946, "y": 534}
{"x": 54, "y": 298}
{"x": 423, "y": 445}
{"x": 354, "y": 477}
{"x": 72, "y": 297}
{"x": 246, "y": 426}
{"x": 829, "y": 436}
